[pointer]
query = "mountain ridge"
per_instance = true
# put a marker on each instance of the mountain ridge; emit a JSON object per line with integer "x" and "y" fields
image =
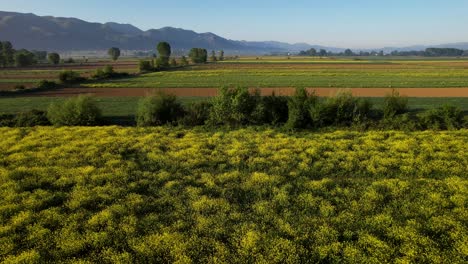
{"x": 29, "y": 31}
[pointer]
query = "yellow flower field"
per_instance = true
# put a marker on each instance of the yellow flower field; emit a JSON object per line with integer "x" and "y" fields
{"x": 173, "y": 195}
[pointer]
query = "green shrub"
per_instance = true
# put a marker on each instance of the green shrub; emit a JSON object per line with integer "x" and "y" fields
{"x": 394, "y": 104}
{"x": 70, "y": 77}
{"x": 145, "y": 66}
{"x": 7, "y": 120}
{"x": 197, "y": 114}
{"x": 399, "y": 122}
{"x": 342, "y": 109}
{"x": 299, "y": 106}
{"x": 77, "y": 111}
{"x": 31, "y": 118}
{"x": 45, "y": 84}
{"x": 272, "y": 110}
{"x": 108, "y": 73}
{"x": 445, "y": 117}
{"x": 159, "y": 110}
{"x": 234, "y": 107}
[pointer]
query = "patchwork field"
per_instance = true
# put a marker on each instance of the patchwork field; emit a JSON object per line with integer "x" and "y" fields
{"x": 326, "y": 74}
{"x": 166, "y": 195}
{"x": 29, "y": 77}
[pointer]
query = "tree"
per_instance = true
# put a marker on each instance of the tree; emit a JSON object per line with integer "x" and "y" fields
{"x": 54, "y": 58}
{"x": 40, "y": 55}
{"x": 198, "y": 55}
{"x": 114, "y": 53}
{"x": 221, "y": 55}
{"x": 8, "y": 53}
{"x": 322, "y": 53}
{"x": 24, "y": 58}
{"x": 164, "y": 50}
{"x": 348, "y": 52}
{"x": 213, "y": 56}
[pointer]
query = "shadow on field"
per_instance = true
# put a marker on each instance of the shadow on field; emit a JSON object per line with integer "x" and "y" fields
{"x": 125, "y": 121}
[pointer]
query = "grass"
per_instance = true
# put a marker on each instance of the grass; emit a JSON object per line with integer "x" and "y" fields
{"x": 281, "y": 74}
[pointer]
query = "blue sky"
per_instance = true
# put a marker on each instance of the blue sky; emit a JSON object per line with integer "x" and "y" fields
{"x": 341, "y": 23}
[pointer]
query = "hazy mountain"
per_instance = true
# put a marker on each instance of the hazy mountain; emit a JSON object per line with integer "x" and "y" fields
{"x": 71, "y": 34}
{"x": 126, "y": 29}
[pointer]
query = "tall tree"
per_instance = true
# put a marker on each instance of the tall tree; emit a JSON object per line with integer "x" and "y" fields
{"x": 24, "y": 58}
{"x": 164, "y": 50}
{"x": 198, "y": 55}
{"x": 348, "y": 52}
{"x": 221, "y": 55}
{"x": 8, "y": 53}
{"x": 213, "y": 56}
{"x": 54, "y": 58}
{"x": 322, "y": 53}
{"x": 114, "y": 53}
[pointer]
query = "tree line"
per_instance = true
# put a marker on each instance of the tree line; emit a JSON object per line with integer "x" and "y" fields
{"x": 164, "y": 61}
{"x": 429, "y": 52}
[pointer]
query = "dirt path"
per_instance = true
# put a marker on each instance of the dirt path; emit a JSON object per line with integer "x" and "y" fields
{"x": 208, "y": 92}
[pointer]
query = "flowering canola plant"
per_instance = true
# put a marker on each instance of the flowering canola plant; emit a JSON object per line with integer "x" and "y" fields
{"x": 173, "y": 195}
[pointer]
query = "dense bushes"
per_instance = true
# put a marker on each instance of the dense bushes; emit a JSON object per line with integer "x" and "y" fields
{"x": 299, "y": 106}
{"x": 159, "y": 110}
{"x": 70, "y": 77}
{"x": 78, "y": 111}
{"x": 446, "y": 117}
{"x": 108, "y": 73}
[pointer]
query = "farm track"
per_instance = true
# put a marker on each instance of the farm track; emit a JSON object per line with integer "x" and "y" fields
{"x": 286, "y": 91}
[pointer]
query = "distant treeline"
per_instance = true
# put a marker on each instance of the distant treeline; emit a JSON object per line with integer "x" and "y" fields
{"x": 430, "y": 52}
{"x": 9, "y": 57}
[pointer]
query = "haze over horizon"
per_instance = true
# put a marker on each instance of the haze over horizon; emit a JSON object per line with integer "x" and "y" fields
{"x": 363, "y": 24}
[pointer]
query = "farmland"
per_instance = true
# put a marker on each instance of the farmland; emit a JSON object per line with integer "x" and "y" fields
{"x": 122, "y": 195}
{"x": 326, "y": 74}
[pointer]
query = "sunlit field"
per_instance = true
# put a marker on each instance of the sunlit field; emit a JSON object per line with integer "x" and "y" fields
{"x": 166, "y": 195}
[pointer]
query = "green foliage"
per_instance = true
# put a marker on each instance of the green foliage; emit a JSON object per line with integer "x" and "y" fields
{"x": 341, "y": 109}
{"x": 8, "y": 54}
{"x": 394, "y": 104}
{"x": 159, "y": 110}
{"x": 77, "y": 111}
{"x": 70, "y": 77}
{"x": 45, "y": 85}
{"x": 114, "y": 53}
{"x": 31, "y": 118}
{"x": 164, "y": 50}
{"x": 271, "y": 110}
{"x": 445, "y": 117}
{"x": 299, "y": 106}
{"x": 221, "y": 55}
{"x": 197, "y": 114}
{"x": 234, "y": 107}
{"x": 54, "y": 58}
{"x": 213, "y": 57}
{"x": 24, "y": 58}
{"x": 198, "y": 55}
{"x": 145, "y": 66}
{"x": 108, "y": 73}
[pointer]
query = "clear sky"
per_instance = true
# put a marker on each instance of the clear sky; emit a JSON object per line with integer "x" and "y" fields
{"x": 341, "y": 23}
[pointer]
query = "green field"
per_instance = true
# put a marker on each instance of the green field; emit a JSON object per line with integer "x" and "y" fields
{"x": 341, "y": 74}
{"x": 165, "y": 195}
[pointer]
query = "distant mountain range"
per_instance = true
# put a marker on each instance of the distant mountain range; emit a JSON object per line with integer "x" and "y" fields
{"x": 49, "y": 33}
